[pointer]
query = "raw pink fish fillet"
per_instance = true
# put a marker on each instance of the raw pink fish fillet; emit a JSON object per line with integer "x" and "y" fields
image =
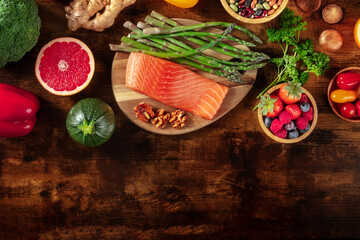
{"x": 174, "y": 85}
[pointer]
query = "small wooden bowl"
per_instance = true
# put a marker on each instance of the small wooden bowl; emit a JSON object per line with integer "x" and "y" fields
{"x": 333, "y": 86}
{"x": 254, "y": 20}
{"x": 303, "y": 136}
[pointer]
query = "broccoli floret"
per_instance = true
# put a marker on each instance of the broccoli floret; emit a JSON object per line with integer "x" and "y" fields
{"x": 19, "y": 29}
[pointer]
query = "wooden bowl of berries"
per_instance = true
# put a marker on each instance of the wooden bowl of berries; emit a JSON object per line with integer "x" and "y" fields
{"x": 287, "y": 113}
{"x": 254, "y": 11}
{"x": 344, "y": 94}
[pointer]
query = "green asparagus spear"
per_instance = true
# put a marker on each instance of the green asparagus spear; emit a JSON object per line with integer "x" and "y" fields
{"x": 191, "y": 34}
{"x": 169, "y": 30}
{"x": 223, "y": 47}
{"x": 168, "y": 55}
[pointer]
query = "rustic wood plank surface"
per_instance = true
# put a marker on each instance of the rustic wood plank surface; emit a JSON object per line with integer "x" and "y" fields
{"x": 225, "y": 181}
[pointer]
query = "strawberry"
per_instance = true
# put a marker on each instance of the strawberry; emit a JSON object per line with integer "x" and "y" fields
{"x": 282, "y": 133}
{"x": 276, "y": 125}
{"x": 309, "y": 115}
{"x": 271, "y": 105}
{"x": 294, "y": 110}
{"x": 301, "y": 123}
{"x": 290, "y": 92}
{"x": 285, "y": 117}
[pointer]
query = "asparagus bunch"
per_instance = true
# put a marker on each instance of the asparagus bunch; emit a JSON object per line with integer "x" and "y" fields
{"x": 159, "y": 37}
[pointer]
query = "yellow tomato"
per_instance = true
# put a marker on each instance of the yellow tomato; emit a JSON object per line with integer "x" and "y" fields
{"x": 183, "y": 3}
{"x": 357, "y": 32}
{"x": 343, "y": 96}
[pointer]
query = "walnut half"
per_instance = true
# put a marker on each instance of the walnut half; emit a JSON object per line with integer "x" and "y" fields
{"x": 178, "y": 119}
{"x": 144, "y": 112}
{"x": 161, "y": 118}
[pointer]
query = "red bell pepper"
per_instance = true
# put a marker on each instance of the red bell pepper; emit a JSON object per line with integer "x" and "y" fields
{"x": 17, "y": 111}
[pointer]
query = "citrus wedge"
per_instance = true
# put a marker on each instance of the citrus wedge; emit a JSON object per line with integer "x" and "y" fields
{"x": 357, "y": 33}
{"x": 65, "y": 66}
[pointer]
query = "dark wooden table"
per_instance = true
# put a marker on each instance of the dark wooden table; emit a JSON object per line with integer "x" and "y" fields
{"x": 225, "y": 181}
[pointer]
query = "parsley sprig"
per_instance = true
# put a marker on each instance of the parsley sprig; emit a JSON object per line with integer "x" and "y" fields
{"x": 299, "y": 58}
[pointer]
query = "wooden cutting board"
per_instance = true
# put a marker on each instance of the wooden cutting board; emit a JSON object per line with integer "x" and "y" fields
{"x": 127, "y": 99}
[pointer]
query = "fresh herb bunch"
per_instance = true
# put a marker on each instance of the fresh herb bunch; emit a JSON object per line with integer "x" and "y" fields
{"x": 299, "y": 58}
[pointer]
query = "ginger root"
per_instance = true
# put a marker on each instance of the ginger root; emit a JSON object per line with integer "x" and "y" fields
{"x": 94, "y": 14}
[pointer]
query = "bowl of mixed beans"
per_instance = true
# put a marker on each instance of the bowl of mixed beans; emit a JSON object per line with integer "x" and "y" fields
{"x": 254, "y": 11}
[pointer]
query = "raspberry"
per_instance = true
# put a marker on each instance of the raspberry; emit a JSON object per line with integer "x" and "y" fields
{"x": 304, "y": 98}
{"x": 285, "y": 117}
{"x": 276, "y": 125}
{"x": 282, "y": 133}
{"x": 301, "y": 123}
{"x": 308, "y": 115}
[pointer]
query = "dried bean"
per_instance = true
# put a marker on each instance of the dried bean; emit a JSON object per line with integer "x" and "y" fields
{"x": 258, "y": 12}
{"x": 266, "y": 6}
{"x": 250, "y": 10}
{"x": 259, "y": 6}
{"x": 248, "y": 15}
{"x": 234, "y": 8}
{"x": 261, "y": 1}
{"x": 242, "y": 1}
{"x": 275, "y": 6}
{"x": 253, "y": 3}
{"x": 271, "y": 11}
{"x": 272, "y": 2}
{"x": 264, "y": 14}
{"x": 247, "y": 3}
{"x": 279, "y": 2}
{"x": 243, "y": 12}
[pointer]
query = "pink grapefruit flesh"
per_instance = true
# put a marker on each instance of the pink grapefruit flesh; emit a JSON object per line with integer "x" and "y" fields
{"x": 65, "y": 66}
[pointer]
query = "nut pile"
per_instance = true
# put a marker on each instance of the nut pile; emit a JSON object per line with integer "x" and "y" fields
{"x": 254, "y": 8}
{"x": 160, "y": 118}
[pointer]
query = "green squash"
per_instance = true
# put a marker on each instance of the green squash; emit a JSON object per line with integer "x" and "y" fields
{"x": 91, "y": 122}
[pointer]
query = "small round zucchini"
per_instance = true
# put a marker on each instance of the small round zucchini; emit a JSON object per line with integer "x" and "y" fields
{"x": 91, "y": 122}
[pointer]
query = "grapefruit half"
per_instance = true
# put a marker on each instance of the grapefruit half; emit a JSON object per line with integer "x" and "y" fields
{"x": 65, "y": 66}
{"x": 357, "y": 33}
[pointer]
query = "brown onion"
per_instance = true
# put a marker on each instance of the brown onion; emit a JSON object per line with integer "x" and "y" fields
{"x": 332, "y": 13}
{"x": 331, "y": 40}
{"x": 308, "y": 5}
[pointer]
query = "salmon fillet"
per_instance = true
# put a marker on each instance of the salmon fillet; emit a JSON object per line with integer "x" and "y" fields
{"x": 174, "y": 85}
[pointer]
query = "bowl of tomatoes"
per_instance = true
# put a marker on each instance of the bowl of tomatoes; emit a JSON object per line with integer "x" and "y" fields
{"x": 344, "y": 94}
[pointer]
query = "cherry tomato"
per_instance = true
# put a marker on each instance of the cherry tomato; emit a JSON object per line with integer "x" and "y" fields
{"x": 343, "y": 96}
{"x": 348, "y": 80}
{"x": 357, "y": 106}
{"x": 348, "y": 110}
{"x": 357, "y": 91}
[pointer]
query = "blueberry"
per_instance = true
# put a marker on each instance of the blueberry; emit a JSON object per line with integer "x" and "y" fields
{"x": 268, "y": 121}
{"x": 305, "y": 130}
{"x": 290, "y": 126}
{"x": 293, "y": 134}
{"x": 305, "y": 107}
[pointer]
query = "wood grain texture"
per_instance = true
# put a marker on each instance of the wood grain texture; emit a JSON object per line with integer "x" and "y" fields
{"x": 225, "y": 181}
